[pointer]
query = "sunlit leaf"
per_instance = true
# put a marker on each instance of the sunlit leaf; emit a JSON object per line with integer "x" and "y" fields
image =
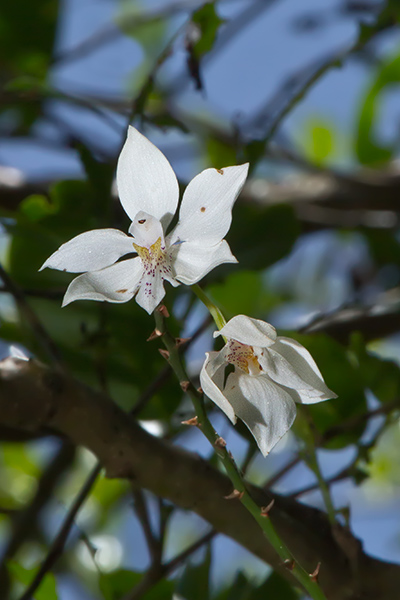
{"x": 47, "y": 589}
{"x": 207, "y": 23}
{"x": 368, "y": 149}
{"x": 319, "y": 141}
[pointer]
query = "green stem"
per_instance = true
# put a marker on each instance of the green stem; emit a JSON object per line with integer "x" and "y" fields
{"x": 212, "y": 308}
{"x": 174, "y": 359}
{"x": 311, "y": 458}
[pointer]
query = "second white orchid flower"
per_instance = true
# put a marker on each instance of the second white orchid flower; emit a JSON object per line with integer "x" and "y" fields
{"x": 271, "y": 374}
{"x": 149, "y": 194}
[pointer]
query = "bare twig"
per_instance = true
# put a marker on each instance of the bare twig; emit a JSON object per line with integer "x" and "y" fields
{"x": 295, "y": 89}
{"x": 41, "y": 334}
{"x": 154, "y": 544}
{"x": 372, "y": 322}
{"x": 282, "y": 472}
{"x": 60, "y": 540}
{"x": 111, "y": 32}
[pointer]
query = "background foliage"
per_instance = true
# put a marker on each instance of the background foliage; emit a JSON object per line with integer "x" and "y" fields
{"x": 315, "y": 232}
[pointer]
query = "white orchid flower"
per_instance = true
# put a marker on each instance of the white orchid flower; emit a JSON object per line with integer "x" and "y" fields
{"x": 149, "y": 193}
{"x": 271, "y": 374}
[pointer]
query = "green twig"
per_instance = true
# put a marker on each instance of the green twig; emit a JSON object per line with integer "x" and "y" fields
{"x": 311, "y": 458}
{"x": 240, "y": 492}
{"x": 212, "y": 308}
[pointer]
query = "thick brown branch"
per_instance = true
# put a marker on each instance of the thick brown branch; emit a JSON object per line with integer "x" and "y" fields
{"x": 33, "y": 397}
{"x": 371, "y": 322}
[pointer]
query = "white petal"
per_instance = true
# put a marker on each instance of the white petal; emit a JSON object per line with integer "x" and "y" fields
{"x": 151, "y": 291}
{"x": 211, "y": 381}
{"x": 192, "y": 262}
{"x": 266, "y": 408}
{"x": 90, "y": 251}
{"x": 206, "y": 211}
{"x": 251, "y": 332}
{"x": 291, "y": 365}
{"x": 145, "y": 179}
{"x": 117, "y": 283}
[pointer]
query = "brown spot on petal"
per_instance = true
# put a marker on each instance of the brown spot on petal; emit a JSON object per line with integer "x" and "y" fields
{"x": 220, "y": 171}
{"x": 121, "y": 291}
{"x": 203, "y": 209}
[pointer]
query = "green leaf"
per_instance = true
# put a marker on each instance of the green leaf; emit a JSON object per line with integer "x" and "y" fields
{"x": 167, "y": 121}
{"x": 17, "y": 457}
{"x": 368, "y": 150}
{"x": 383, "y": 466}
{"x": 27, "y": 33}
{"x": 194, "y": 583}
{"x": 148, "y": 31}
{"x": 100, "y": 177}
{"x": 242, "y": 292}
{"x": 380, "y": 375}
{"x": 240, "y": 589}
{"x": 220, "y": 153}
{"x": 36, "y": 207}
{"x": 116, "y": 585}
{"x": 319, "y": 143}
{"x": 343, "y": 376}
{"x": 262, "y": 235}
{"x": 207, "y": 23}
{"x": 47, "y": 589}
{"x": 389, "y": 14}
{"x": 274, "y": 587}
{"x": 384, "y": 246}
{"x": 32, "y": 56}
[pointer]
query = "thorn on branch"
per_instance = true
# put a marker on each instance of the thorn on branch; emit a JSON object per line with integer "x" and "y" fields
{"x": 200, "y": 390}
{"x": 179, "y": 341}
{"x": 154, "y": 335}
{"x": 184, "y": 385}
{"x": 315, "y": 573}
{"x": 163, "y": 310}
{"x": 289, "y": 564}
{"x": 265, "y": 510}
{"x": 220, "y": 442}
{"x": 192, "y": 422}
{"x": 235, "y": 495}
{"x": 164, "y": 353}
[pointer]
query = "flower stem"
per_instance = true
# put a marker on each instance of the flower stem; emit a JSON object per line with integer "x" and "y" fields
{"x": 209, "y": 304}
{"x": 308, "y": 582}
